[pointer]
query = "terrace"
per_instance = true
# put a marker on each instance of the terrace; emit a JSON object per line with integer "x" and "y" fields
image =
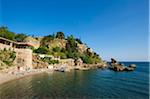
{"x": 14, "y": 44}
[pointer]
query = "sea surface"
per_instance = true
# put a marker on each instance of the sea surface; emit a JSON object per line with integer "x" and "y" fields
{"x": 92, "y": 84}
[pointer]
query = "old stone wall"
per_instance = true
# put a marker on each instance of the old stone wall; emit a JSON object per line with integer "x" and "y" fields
{"x": 24, "y": 57}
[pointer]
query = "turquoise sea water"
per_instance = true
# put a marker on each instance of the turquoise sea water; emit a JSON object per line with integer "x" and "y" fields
{"x": 92, "y": 84}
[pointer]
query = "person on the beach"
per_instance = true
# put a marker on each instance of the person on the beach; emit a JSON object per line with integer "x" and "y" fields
{"x": 18, "y": 68}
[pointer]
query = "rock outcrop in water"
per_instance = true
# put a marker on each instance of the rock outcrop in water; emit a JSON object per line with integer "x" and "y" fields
{"x": 117, "y": 66}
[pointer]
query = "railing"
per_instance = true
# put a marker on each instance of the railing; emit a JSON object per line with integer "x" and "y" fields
{"x": 15, "y": 44}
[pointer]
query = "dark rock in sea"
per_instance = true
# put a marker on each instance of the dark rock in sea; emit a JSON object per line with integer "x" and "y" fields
{"x": 132, "y": 66}
{"x": 117, "y": 66}
{"x": 113, "y": 60}
{"x": 128, "y": 69}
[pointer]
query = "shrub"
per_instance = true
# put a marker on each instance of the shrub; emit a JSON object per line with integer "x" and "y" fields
{"x": 42, "y": 50}
{"x": 53, "y": 62}
{"x": 71, "y": 44}
{"x": 60, "y": 35}
{"x": 7, "y": 56}
{"x": 49, "y": 60}
{"x": 62, "y": 55}
{"x": 86, "y": 59}
{"x": 79, "y": 41}
{"x": 57, "y": 49}
{"x": 20, "y": 37}
{"x": 4, "y": 32}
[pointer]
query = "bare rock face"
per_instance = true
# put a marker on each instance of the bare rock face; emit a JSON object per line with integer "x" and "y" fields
{"x": 81, "y": 47}
{"x": 116, "y": 66}
{"x": 37, "y": 63}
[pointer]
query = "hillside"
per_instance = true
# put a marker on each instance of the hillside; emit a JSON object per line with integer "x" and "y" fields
{"x": 57, "y": 45}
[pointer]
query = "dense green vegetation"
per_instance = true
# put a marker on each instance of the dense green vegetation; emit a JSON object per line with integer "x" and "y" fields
{"x": 42, "y": 50}
{"x": 6, "y": 57}
{"x": 4, "y": 32}
{"x": 50, "y": 61}
{"x": 70, "y": 50}
{"x": 20, "y": 37}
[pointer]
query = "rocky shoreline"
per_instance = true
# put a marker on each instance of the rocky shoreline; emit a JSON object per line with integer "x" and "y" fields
{"x": 13, "y": 73}
{"x": 65, "y": 68}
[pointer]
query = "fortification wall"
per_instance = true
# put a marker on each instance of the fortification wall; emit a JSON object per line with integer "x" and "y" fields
{"x": 23, "y": 56}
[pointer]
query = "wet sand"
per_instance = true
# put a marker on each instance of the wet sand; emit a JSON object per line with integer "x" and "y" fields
{"x": 9, "y": 76}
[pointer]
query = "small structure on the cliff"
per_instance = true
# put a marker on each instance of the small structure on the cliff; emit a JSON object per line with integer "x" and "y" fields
{"x": 117, "y": 66}
{"x": 23, "y": 52}
{"x": 13, "y": 44}
{"x": 32, "y": 41}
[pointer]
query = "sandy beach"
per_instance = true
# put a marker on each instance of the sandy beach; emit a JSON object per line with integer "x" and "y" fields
{"x": 13, "y": 73}
{"x": 6, "y": 76}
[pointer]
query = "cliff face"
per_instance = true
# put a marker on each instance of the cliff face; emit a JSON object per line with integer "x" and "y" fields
{"x": 38, "y": 63}
{"x": 57, "y": 43}
{"x": 81, "y": 47}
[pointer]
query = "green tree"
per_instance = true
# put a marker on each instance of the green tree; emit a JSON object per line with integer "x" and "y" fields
{"x": 42, "y": 50}
{"x": 79, "y": 41}
{"x": 20, "y": 37}
{"x": 71, "y": 48}
{"x": 87, "y": 59}
{"x": 71, "y": 44}
{"x": 60, "y": 35}
{"x": 57, "y": 49}
{"x": 5, "y": 33}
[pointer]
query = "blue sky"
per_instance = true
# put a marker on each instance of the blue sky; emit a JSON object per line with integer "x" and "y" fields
{"x": 113, "y": 28}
